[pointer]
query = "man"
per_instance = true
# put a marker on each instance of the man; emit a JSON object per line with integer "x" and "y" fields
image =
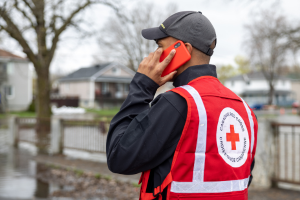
{"x": 196, "y": 141}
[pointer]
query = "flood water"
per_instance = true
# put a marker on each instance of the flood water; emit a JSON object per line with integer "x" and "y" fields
{"x": 17, "y": 177}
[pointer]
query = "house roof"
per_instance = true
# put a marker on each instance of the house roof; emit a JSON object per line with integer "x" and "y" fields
{"x": 265, "y": 92}
{"x": 6, "y": 54}
{"x": 85, "y": 72}
{"x": 258, "y": 75}
{"x": 94, "y": 72}
{"x": 114, "y": 79}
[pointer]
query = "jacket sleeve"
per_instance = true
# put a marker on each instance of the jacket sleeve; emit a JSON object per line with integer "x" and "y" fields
{"x": 142, "y": 137}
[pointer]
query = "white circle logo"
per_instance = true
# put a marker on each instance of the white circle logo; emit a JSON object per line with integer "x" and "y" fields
{"x": 232, "y": 138}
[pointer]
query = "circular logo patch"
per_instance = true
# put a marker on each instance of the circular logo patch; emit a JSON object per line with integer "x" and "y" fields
{"x": 232, "y": 138}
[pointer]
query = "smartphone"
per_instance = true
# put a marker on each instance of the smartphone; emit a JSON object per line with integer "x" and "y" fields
{"x": 182, "y": 55}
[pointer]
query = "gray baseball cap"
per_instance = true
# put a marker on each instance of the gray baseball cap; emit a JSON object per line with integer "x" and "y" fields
{"x": 187, "y": 26}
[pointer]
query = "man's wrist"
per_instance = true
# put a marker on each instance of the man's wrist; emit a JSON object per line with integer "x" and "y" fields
{"x": 146, "y": 83}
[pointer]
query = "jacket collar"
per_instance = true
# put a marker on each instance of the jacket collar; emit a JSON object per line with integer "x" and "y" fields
{"x": 194, "y": 72}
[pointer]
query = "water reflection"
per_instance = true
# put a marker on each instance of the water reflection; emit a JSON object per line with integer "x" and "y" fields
{"x": 17, "y": 176}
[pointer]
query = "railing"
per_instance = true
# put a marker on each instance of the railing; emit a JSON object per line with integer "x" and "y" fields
{"x": 3, "y": 132}
{"x": 26, "y": 130}
{"x": 85, "y": 135}
{"x": 287, "y": 152}
{"x": 81, "y": 135}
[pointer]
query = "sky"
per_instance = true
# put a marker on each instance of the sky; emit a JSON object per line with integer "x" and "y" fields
{"x": 227, "y": 16}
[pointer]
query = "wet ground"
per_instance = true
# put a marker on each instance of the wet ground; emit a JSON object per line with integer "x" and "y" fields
{"x": 274, "y": 194}
{"x": 23, "y": 177}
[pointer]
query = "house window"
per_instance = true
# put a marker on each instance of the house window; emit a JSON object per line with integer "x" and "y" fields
{"x": 105, "y": 88}
{"x": 10, "y": 68}
{"x": 3, "y": 68}
{"x": 116, "y": 70}
{"x": 119, "y": 87}
{"x": 9, "y": 92}
{"x": 126, "y": 87}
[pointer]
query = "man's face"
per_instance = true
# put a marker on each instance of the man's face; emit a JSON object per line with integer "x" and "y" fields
{"x": 164, "y": 43}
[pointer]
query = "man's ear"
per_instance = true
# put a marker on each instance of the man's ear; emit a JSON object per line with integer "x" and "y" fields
{"x": 189, "y": 47}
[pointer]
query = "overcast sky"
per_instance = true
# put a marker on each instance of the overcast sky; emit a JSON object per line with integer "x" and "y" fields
{"x": 227, "y": 16}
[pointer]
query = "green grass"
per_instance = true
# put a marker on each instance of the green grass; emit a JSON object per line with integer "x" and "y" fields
{"x": 104, "y": 112}
{"x": 98, "y": 176}
{"x": 19, "y": 114}
{"x": 108, "y": 178}
{"x": 136, "y": 185}
{"x": 78, "y": 172}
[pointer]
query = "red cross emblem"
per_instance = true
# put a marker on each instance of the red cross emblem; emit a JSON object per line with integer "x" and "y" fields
{"x": 232, "y": 137}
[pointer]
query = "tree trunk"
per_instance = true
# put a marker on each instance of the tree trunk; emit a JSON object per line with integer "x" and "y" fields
{"x": 43, "y": 126}
{"x": 271, "y": 94}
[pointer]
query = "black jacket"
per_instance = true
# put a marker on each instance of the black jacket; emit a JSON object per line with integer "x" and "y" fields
{"x": 143, "y": 137}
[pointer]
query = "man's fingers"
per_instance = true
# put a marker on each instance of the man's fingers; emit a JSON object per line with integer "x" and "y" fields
{"x": 169, "y": 77}
{"x": 168, "y": 59}
{"x": 155, "y": 59}
{"x": 157, "y": 55}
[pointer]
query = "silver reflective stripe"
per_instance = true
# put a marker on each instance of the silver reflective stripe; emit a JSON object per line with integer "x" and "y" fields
{"x": 251, "y": 124}
{"x": 198, "y": 185}
{"x": 209, "y": 187}
{"x": 198, "y": 173}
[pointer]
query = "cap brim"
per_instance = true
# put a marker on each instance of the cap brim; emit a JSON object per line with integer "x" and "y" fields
{"x": 153, "y": 33}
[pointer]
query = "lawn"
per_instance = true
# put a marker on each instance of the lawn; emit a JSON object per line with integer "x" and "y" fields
{"x": 19, "y": 114}
{"x": 101, "y": 113}
{"x": 104, "y": 112}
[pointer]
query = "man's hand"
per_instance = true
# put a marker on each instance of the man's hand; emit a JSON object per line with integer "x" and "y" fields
{"x": 152, "y": 68}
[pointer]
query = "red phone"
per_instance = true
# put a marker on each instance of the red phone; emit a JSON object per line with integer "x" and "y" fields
{"x": 182, "y": 55}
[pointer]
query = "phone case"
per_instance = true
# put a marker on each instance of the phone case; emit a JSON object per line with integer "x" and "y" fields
{"x": 181, "y": 56}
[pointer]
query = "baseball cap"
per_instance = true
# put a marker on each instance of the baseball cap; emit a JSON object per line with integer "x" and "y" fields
{"x": 189, "y": 26}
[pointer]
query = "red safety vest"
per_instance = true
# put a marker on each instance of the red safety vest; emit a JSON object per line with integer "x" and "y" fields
{"x": 213, "y": 157}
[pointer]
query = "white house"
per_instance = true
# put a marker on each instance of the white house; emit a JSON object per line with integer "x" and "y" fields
{"x": 102, "y": 85}
{"x": 254, "y": 89}
{"x": 15, "y": 82}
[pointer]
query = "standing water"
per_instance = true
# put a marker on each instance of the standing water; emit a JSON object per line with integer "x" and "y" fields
{"x": 17, "y": 176}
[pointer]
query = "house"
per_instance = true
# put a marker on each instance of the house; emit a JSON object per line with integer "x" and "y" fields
{"x": 15, "y": 82}
{"x": 99, "y": 86}
{"x": 254, "y": 89}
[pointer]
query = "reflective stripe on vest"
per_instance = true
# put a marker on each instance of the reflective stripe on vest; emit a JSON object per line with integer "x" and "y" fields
{"x": 251, "y": 126}
{"x": 198, "y": 185}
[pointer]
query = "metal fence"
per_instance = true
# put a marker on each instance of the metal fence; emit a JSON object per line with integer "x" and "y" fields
{"x": 26, "y": 130}
{"x": 3, "y": 132}
{"x": 85, "y": 135}
{"x": 287, "y": 152}
{"x": 81, "y": 135}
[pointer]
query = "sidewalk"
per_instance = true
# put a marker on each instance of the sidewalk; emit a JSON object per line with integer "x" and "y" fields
{"x": 85, "y": 166}
{"x": 274, "y": 194}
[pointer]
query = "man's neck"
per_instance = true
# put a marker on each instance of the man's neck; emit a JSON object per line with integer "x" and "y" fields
{"x": 189, "y": 64}
{"x": 193, "y": 72}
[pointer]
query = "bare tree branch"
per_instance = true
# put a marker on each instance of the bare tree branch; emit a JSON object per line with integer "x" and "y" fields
{"x": 16, "y": 4}
{"x": 268, "y": 46}
{"x": 63, "y": 27}
{"x": 121, "y": 39}
{"x": 15, "y": 33}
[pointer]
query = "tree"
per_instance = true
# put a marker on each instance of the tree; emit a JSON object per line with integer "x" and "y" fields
{"x": 268, "y": 46}
{"x": 121, "y": 40}
{"x": 243, "y": 64}
{"x": 37, "y": 26}
{"x": 226, "y": 71}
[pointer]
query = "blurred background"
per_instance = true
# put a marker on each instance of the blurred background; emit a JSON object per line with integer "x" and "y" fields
{"x": 66, "y": 66}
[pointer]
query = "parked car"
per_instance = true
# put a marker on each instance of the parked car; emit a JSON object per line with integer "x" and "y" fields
{"x": 257, "y": 106}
